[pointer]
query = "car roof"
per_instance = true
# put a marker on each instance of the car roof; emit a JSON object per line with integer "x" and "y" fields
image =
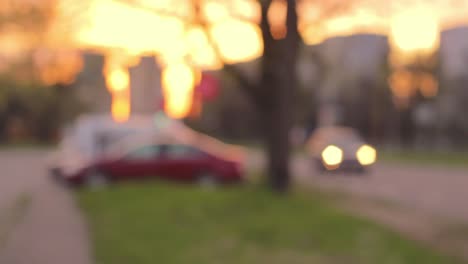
{"x": 193, "y": 139}
{"x": 338, "y": 135}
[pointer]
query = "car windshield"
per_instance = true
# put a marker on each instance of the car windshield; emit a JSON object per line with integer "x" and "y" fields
{"x": 344, "y": 137}
{"x": 145, "y": 153}
{"x": 164, "y": 150}
{"x": 183, "y": 152}
{"x": 336, "y": 135}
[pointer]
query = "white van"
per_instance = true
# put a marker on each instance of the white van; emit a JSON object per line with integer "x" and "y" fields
{"x": 91, "y": 136}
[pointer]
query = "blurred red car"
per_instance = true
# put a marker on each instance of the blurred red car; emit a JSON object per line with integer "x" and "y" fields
{"x": 173, "y": 162}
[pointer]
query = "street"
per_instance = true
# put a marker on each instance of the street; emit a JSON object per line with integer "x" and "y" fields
{"x": 434, "y": 190}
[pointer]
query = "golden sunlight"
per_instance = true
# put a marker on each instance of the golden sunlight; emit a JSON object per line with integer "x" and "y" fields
{"x": 115, "y": 25}
{"x": 247, "y": 9}
{"x": 428, "y": 85}
{"x": 202, "y": 53}
{"x": 215, "y": 11}
{"x": 320, "y": 22}
{"x": 120, "y": 108}
{"x": 277, "y": 18}
{"x": 116, "y": 70}
{"x": 415, "y": 30}
{"x": 118, "y": 80}
{"x": 57, "y": 66}
{"x": 118, "y": 83}
{"x": 402, "y": 84}
{"x": 227, "y": 36}
{"x": 227, "y": 32}
{"x": 178, "y": 81}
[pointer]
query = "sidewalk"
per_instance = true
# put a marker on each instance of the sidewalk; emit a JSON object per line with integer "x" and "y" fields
{"x": 51, "y": 229}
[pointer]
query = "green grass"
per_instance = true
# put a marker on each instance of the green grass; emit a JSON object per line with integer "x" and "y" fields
{"x": 425, "y": 158}
{"x": 157, "y": 223}
{"x": 27, "y": 145}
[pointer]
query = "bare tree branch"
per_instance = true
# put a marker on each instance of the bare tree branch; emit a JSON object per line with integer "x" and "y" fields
{"x": 247, "y": 86}
{"x": 264, "y": 25}
{"x": 329, "y": 10}
{"x": 168, "y": 13}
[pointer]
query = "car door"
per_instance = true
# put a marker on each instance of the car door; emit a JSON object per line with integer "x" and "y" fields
{"x": 140, "y": 163}
{"x": 182, "y": 162}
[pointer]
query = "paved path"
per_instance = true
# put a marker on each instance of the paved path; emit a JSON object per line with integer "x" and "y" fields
{"x": 431, "y": 189}
{"x": 50, "y": 230}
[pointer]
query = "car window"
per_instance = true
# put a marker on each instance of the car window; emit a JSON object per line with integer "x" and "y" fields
{"x": 145, "y": 153}
{"x": 182, "y": 152}
{"x": 346, "y": 138}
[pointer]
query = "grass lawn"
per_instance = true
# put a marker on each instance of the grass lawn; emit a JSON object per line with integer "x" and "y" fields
{"x": 160, "y": 223}
{"x": 426, "y": 158}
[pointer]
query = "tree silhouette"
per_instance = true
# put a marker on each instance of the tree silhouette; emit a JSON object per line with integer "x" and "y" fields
{"x": 272, "y": 93}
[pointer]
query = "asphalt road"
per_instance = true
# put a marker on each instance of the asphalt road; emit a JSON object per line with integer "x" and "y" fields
{"x": 432, "y": 189}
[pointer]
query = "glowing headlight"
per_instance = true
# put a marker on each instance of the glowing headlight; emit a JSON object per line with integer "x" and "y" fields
{"x": 366, "y": 155}
{"x": 332, "y": 155}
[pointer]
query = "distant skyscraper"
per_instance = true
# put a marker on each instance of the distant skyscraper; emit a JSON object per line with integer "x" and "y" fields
{"x": 145, "y": 87}
{"x": 90, "y": 86}
{"x": 454, "y": 53}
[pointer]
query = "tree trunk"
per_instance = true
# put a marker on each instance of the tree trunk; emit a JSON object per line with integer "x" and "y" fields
{"x": 277, "y": 124}
{"x": 278, "y": 84}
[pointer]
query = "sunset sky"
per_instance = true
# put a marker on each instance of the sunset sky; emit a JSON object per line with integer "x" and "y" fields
{"x": 224, "y": 31}
{"x": 165, "y": 27}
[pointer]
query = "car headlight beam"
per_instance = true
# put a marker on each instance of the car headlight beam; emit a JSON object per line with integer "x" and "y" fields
{"x": 332, "y": 155}
{"x": 366, "y": 155}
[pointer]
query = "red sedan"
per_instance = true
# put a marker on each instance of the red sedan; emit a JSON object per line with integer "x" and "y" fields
{"x": 173, "y": 162}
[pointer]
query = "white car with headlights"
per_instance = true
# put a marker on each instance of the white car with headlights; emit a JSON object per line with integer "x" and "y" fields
{"x": 340, "y": 148}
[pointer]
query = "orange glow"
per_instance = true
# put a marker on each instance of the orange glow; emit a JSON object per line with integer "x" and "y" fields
{"x": 118, "y": 80}
{"x": 114, "y": 25}
{"x": 415, "y": 30}
{"x": 57, "y": 66}
{"x": 402, "y": 84}
{"x": 247, "y": 9}
{"x": 215, "y": 11}
{"x": 117, "y": 25}
{"x": 178, "y": 81}
{"x": 118, "y": 83}
{"x": 428, "y": 85}
{"x": 13, "y": 44}
{"x": 405, "y": 84}
{"x": 316, "y": 24}
{"x": 277, "y": 18}
{"x": 148, "y": 27}
{"x": 237, "y": 40}
{"x": 116, "y": 71}
{"x": 120, "y": 108}
{"x": 202, "y": 54}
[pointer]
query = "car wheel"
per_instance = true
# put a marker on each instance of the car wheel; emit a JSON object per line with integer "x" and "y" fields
{"x": 207, "y": 181}
{"x": 96, "y": 180}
